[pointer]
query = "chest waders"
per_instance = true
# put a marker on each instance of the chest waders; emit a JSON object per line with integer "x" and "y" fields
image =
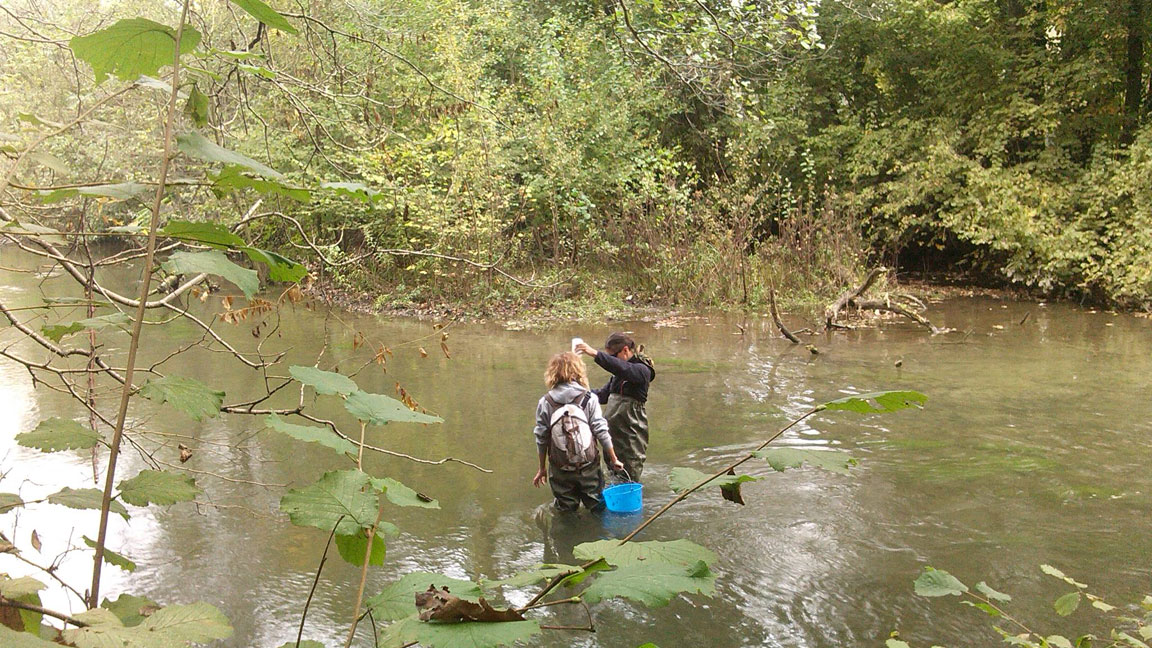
{"x": 628, "y": 426}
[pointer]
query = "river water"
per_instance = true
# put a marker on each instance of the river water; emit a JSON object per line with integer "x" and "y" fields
{"x": 1033, "y": 449}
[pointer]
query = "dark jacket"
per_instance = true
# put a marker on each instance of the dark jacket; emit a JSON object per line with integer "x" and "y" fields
{"x": 629, "y": 378}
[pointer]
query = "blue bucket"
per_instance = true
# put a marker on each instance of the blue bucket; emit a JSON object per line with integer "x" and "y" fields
{"x": 624, "y": 498}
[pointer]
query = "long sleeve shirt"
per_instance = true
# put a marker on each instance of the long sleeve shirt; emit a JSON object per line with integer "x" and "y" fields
{"x": 629, "y": 378}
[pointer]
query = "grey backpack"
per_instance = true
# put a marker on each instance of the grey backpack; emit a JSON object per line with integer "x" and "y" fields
{"x": 572, "y": 445}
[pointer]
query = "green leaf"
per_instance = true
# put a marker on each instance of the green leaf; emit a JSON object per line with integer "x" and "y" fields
{"x": 401, "y": 495}
{"x": 262, "y": 72}
{"x": 265, "y": 14}
{"x": 991, "y": 593}
{"x": 380, "y": 409}
{"x": 397, "y": 601}
{"x": 1052, "y": 571}
{"x": 475, "y": 634}
{"x": 10, "y": 638}
{"x": 935, "y": 582}
{"x": 1102, "y": 606}
{"x": 539, "y": 574}
{"x": 988, "y": 609}
{"x": 280, "y": 267}
{"x": 684, "y": 478}
{"x": 232, "y": 177}
{"x": 188, "y": 395}
{"x": 677, "y": 552}
{"x": 328, "y": 383}
{"x": 1058, "y": 641}
{"x": 158, "y": 487}
{"x": 1129, "y": 639}
{"x": 653, "y": 584}
{"x": 197, "y": 106}
{"x": 132, "y": 47}
{"x": 55, "y": 434}
{"x": 338, "y": 496}
{"x": 352, "y": 548}
{"x": 85, "y": 498}
{"x": 896, "y": 643}
{"x": 1067, "y": 604}
{"x": 112, "y": 558}
{"x": 131, "y": 610}
{"x": 887, "y": 401}
{"x": 56, "y": 332}
{"x": 311, "y": 434}
{"x": 115, "y": 191}
{"x": 14, "y": 588}
{"x": 213, "y": 262}
{"x": 782, "y": 459}
{"x": 9, "y": 501}
{"x": 213, "y": 234}
{"x": 198, "y": 623}
{"x": 355, "y": 190}
{"x": 49, "y": 161}
{"x": 196, "y": 145}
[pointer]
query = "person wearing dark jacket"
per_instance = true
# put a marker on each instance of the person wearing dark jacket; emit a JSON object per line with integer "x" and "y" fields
{"x": 624, "y": 398}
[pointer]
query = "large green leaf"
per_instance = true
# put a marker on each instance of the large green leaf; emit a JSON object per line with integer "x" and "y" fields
{"x": 85, "y": 498}
{"x": 685, "y": 478}
{"x": 213, "y": 234}
{"x": 398, "y": 601}
{"x": 935, "y": 582}
{"x": 340, "y": 495}
{"x": 782, "y": 459}
{"x": 132, "y": 47}
{"x": 356, "y": 190}
{"x": 9, "y": 501}
{"x": 475, "y": 634}
{"x": 1067, "y": 604}
{"x": 280, "y": 267}
{"x": 886, "y": 401}
{"x": 380, "y": 409}
{"x": 131, "y": 610}
{"x": 56, "y": 332}
{"x": 401, "y": 495}
{"x": 328, "y": 383}
{"x": 10, "y": 638}
{"x": 265, "y": 14}
{"x": 197, "y": 622}
{"x": 232, "y": 177}
{"x": 172, "y": 627}
{"x": 196, "y": 145}
{"x": 311, "y": 434}
{"x": 677, "y": 552}
{"x": 213, "y": 262}
{"x": 112, "y": 558}
{"x": 55, "y": 434}
{"x": 653, "y": 584}
{"x": 538, "y": 574}
{"x": 14, "y": 588}
{"x": 158, "y": 487}
{"x": 115, "y": 191}
{"x": 983, "y": 588}
{"x": 352, "y": 548}
{"x": 188, "y": 395}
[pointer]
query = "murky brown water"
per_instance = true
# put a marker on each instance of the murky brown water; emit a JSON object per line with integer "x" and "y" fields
{"x": 1034, "y": 448}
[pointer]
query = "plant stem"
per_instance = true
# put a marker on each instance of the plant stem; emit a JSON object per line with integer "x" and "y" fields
{"x": 320, "y": 568}
{"x": 721, "y": 473}
{"x": 137, "y": 324}
{"x": 360, "y": 448}
{"x": 364, "y": 574}
{"x": 5, "y": 602}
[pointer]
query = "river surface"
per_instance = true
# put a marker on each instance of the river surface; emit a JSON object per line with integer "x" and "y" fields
{"x": 1034, "y": 448}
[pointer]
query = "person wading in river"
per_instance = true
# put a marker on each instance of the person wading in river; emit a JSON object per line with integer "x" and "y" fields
{"x": 568, "y": 425}
{"x": 624, "y": 397}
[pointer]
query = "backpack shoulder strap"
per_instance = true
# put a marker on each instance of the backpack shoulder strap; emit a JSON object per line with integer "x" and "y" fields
{"x": 584, "y": 400}
{"x": 552, "y": 401}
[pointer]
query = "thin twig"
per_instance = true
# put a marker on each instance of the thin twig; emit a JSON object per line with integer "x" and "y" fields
{"x": 315, "y": 581}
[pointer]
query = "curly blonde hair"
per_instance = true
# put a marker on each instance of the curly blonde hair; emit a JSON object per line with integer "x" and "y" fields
{"x": 565, "y": 367}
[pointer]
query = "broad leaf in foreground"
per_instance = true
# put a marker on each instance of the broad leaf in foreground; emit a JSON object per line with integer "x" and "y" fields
{"x": 684, "y": 478}
{"x": 197, "y": 622}
{"x": 233, "y": 177}
{"x": 115, "y": 191}
{"x": 328, "y": 383}
{"x": 280, "y": 267}
{"x": 55, "y": 434}
{"x": 85, "y": 498}
{"x": 56, "y": 332}
{"x": 1067, "y": 604}
{"x": 265, "y": 14}
{"x": 352, "y": 548}
{"x": 311, "y": 434}
{"x": 379, "y": 409}
{"x": 983, "y": 588}
{"x": 132, "y": 47}
{"x": 131, "y": 610}
{"x": 213, "y": 234}
{"x": 158, "y": 487}
{"x": 172, "y": 627}
{"x": 213, "y": 262}
{"x": 676, "y": 552}
{"x": 653, "y": 584}
{"x": 19, "y": 587}
{"x": 401, "y": 495}
{"x": 340, "y": 495}
{"x": 875, "y": 402}
{"x": 782, "y": 459}
{"x": 473, "y": 634}
{"x": 539, "y": 574}
{"x": 196, "y": 145}
{"x": 357, "y": 190}
{"x": 112, "y": 558}
{"x": 10, "y": 501}
{"x": 935, "y": 582}
{"x": 10, "y": 638}
{"x": 188, "y": 395}
{"x": 398, "y": 600}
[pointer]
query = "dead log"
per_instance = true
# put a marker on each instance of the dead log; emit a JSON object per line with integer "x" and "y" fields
{"x": 852, "y": 299}
{"x": 847, "y": 296}
{"x": 776, "y": 318}
{"x": 890, "y": 307}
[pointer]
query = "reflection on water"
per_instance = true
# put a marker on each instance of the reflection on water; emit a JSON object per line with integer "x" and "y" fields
{"x": 1033, "y": 449}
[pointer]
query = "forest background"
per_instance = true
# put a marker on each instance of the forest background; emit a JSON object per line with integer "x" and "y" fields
{"x": 677, "y": 152}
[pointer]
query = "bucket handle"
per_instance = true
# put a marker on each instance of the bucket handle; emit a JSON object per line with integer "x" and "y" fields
{"x": 626, "y": 475}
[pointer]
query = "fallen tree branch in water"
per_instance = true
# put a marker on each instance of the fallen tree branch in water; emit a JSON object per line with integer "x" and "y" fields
{"x": 776, "y": 318}
{"x": 890, "y": 303}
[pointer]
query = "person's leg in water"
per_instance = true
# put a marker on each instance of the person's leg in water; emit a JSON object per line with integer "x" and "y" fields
{"x": 628, "y": 426}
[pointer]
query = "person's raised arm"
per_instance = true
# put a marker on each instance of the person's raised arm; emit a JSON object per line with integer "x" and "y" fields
{"x": 635, "y": 372}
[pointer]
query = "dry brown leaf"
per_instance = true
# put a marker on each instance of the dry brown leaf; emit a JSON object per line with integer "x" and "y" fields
{"x": 439, "y": 605}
